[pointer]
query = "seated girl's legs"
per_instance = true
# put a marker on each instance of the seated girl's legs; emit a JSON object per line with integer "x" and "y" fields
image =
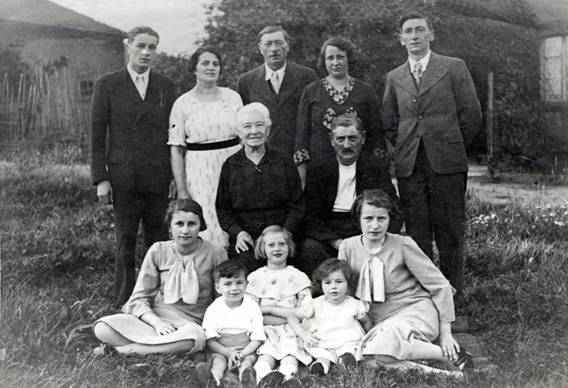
{"x": 171, "y": 348}
{"x": 246, "y": 362}
{"x": 288, "y": 366}
{"x": 108, "y": 335}
{"x": 218, "y": 365}
{"x": 264, "y": 365}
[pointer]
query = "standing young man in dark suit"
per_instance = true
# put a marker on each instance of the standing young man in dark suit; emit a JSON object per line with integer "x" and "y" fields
{"x": 130, "y": 160}
{"x": 431, "y": 114}
{"x": 278, "y": 84}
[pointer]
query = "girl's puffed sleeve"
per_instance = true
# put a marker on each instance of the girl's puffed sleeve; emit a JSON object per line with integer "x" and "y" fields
{"x": 430, "y": 278}
{"x": 147, "y": 285}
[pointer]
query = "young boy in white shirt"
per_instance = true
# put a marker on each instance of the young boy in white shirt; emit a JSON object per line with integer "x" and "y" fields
{"x": 233, "y": 327}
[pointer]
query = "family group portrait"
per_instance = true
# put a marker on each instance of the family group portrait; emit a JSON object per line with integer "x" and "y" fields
{"x": 251, "y": 193}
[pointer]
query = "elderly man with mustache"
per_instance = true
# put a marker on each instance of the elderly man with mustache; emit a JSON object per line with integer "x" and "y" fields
{"x": 331, "y": 188}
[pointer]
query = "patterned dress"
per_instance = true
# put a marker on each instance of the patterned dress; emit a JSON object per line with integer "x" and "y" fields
{"x": 287, "y": 287}
{"x": 196, "y": 122}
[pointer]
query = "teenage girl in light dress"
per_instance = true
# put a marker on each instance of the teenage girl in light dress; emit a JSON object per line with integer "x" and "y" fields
{"x": 412, "y": 303}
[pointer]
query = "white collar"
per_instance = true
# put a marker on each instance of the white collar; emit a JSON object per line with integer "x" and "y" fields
{"x": 269, "y": 72}
{"x": 133, "y": 74}
{"x": 424, "y": 61}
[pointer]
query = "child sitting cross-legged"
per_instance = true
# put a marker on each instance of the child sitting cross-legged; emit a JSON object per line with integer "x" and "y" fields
{"x": 331, "y": 332}
{"x": 233, "y": 327}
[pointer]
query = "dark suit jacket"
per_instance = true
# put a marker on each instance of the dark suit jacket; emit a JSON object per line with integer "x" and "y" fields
{"x": 321, "y": 190}
{"x": 444, "y": 113}
{"x": 137, "y": 157}
{"x": 283, "y": 106}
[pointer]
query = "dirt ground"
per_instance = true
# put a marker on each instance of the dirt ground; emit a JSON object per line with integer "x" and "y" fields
{"x": 504, "y": 192}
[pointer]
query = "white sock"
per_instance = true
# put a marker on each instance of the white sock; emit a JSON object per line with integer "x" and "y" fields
{"x": 287, "y": 370}
{"x": 262, "y": 368}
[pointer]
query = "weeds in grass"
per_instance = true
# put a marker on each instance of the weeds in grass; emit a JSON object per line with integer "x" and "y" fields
{"x": 56, "y": 247}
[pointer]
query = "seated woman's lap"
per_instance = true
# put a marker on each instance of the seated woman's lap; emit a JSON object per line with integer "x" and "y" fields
{"x": 395, "y": 335}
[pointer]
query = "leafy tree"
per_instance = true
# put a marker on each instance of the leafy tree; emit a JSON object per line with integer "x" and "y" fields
{"x": 490, "y": 35}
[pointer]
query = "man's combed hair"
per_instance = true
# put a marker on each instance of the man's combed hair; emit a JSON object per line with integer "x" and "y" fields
{"x": 130, "y": 35}
{"x": 414, "y": 15}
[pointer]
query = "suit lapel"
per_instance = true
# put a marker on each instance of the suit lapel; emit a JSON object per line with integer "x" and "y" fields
{"x": 288, "y": 83}
{"x": 434, "y": 73}
{"x": 263, "y": 87}
{"x": 404, "y": 79}
{"x": 334, "y": 179}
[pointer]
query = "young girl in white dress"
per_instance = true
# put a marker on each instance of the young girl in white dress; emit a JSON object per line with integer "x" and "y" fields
{"x": 282, "y": 291}
{"x": 332, "y": 332}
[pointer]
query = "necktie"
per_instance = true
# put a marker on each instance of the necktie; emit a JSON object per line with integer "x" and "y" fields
{"x": 275, "y": 81}
{"x": 140, "y": 86}
{"x": 417, "y": 72}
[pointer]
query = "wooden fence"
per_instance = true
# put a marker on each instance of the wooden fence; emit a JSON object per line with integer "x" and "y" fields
{"x": 43, "y": 108}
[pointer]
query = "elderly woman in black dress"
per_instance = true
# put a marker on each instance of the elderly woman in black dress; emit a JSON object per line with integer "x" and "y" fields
{"x": 329, "y": 97}
{"x": 258, "y": 187}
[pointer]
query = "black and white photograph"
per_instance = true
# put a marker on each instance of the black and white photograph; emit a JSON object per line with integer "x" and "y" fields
{"x": 302, "y": 194}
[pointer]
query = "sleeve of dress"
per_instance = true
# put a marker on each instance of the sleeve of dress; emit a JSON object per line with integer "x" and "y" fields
{"x": 296, "y": 200}
{"x": 224, "y": 206}
{"x": 257, "y": 333}
{"x": 375, "y": 140}
{"x": 303, "y": 128}
{"x": 176, "y": 131}
{"x": 342, "y": 253}
{"x": 208, "y": 323}
{"x": 430, "y": 278}
{"x": 147, "y": 285}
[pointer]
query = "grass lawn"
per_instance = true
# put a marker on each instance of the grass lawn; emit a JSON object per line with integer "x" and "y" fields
{"x": 56, "y": 251}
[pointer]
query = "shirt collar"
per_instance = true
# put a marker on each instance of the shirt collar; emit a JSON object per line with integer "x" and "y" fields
{"x": 269, "y": 72}
{"x": 133, "y": 74}
{"x": 424, "y": 61}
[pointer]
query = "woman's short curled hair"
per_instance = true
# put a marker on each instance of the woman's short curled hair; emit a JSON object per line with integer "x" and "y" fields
{"x": 341, "y": 43}
{"x": 194, "y": 59}
{"x": 258, "y": 108}
{"x": 260, "y": 246}
{"x": 187, "y": 205}
{"x": 328, "y": 267}
{"x": 376, "y": 198}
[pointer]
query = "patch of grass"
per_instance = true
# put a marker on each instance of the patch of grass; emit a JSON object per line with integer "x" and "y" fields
{"x": 57, "y": 249}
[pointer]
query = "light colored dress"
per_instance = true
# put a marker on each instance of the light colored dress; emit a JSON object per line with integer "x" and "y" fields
{"x": 289, "y": 288}
{"x": 336, "y": 326}
{"x": 196, "y": 122}
{"x": 417, "y": 297}
{"x": 176, "y": 288}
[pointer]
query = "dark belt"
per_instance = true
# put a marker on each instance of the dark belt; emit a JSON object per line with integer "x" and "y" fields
{"x": 217, "y": 145}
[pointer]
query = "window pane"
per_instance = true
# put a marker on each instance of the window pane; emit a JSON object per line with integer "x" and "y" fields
{"x": 552, "y": 69}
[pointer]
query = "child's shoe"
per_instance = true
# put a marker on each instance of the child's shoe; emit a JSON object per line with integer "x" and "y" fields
{"x": 317, "y": 368}
{"x": 248, "y": 378}
{"x": 204, "y": 374}
{"x": 348, "y": 360}
{"x": 271, "y": 380}
{"x": 103, "y": 350}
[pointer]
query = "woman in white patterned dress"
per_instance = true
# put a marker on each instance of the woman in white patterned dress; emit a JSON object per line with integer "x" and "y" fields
{"x": 202, "y": 135}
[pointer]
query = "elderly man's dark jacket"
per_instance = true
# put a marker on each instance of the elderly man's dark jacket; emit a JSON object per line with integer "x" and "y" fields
{"x": 321, "y": 191}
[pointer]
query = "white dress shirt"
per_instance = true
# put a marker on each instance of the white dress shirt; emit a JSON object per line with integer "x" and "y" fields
{"x": 345, "y": 188}
{"x": 424, "y": 62}
{"x": 279, "y": 72}
{"x": 140, "y": 80}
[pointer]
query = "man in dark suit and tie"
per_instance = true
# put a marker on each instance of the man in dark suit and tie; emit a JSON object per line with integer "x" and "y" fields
{"x": 430, "y": 115}
{"x": 130, "y": 160}
{"x": 331, "y": 189}
{"x": 278, "y": 84}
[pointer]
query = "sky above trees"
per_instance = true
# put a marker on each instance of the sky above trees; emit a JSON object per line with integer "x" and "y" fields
{"x": 179, "y": 22}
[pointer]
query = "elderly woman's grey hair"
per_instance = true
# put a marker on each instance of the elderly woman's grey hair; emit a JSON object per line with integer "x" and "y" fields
{"x": 258, "y": 108}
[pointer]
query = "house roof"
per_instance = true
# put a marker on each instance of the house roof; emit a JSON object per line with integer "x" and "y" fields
{"x": 46, "y": 13}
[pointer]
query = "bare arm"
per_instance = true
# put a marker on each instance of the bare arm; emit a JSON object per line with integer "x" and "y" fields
{"x": 177, "y": 154}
